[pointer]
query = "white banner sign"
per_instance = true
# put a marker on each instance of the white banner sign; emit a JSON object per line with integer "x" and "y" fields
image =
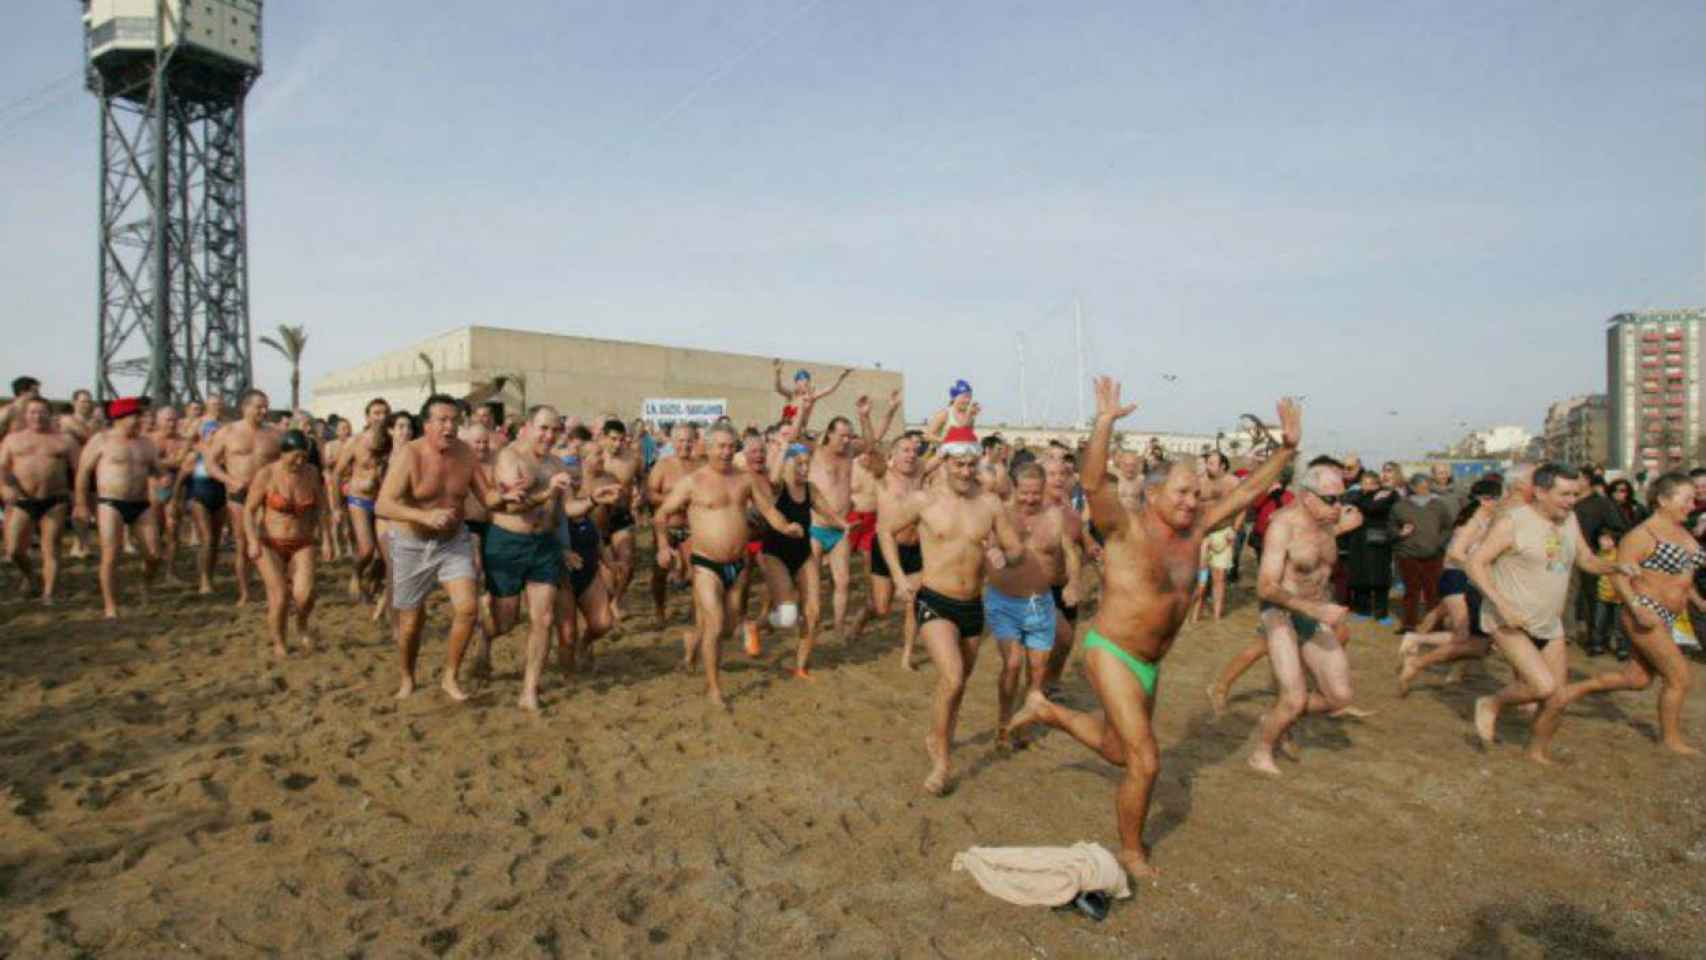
{"x": 685, "y": 411}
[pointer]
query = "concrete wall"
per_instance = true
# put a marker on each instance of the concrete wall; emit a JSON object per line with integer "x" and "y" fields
{"x": 589, "y": 377}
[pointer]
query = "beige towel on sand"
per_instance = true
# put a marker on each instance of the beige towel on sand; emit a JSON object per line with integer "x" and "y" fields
{"x": 1044, "y": 876}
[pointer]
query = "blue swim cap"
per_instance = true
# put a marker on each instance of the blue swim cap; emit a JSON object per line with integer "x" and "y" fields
{"x": 801, "y": 375}
{"x": 959, "y": 387}
{"x": 795, "y": 449}
{"x": 570, "y": 460}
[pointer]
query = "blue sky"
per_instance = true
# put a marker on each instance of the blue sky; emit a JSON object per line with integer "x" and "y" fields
{"x": 1429, "y": 208}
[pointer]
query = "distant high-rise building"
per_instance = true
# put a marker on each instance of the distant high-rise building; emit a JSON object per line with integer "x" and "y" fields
{"x": 1654, "y": 366}
{"x": 1575, "y": 431}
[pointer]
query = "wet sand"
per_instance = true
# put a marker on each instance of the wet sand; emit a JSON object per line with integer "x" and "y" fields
{"x": 168, "y": 790}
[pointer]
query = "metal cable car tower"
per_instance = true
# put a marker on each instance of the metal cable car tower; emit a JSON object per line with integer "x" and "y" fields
{"x": 173, "y": 309}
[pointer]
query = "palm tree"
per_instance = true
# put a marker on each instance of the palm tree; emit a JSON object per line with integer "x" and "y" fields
{"x": 290, "y": 343}
{"x": 431, "y": 375}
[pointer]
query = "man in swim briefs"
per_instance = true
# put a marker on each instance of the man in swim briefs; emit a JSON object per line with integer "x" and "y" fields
{"x": 1149, "y": 570}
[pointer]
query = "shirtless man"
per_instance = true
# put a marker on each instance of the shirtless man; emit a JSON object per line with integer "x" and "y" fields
{"x": 898, "y": 477}
{"x": 622, "y": 463}
{"x": 118, "y": 466}
{"x": 82, "y": 424}
{"x": 1017, "y": 599}
{"x": 670, "y": 532}
{"x": 956, "y": 521}
{"x": 172, "y": 446}
{"x": 716, "y": 498}
{"x": 1217, "y": 547}
{"x": 1150, "y": 566}
{"x": 479, "y": 521}
{"x": 84, "y": 421}
{"x": 1128, "y": 479}
{"x": 522, "y": 553}
{"x": 235, "y": 453}
{"x": 24, "y": 389}
{"x": 335, "y": 518}
{"x": 359, "y": 470}
{"x": 862, "y": 513}
{"x": 1522, "y": 568}
{"x": 1305, "y": 628}
{"x": 1059, "y": 479}
{"x": 832, "y": 504}
{"x": 37, "y": 467}
{"x": 992, "y": 469}
{"x": 423, "y": 496}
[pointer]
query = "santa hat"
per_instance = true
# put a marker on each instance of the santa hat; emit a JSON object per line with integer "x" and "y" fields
{"x": 960, "y": 442}
{"x": 122, "y": 407}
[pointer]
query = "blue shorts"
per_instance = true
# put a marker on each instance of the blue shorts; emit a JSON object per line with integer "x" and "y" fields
{"x": 827, "y": 537}
{"x": 1027, "y": 619}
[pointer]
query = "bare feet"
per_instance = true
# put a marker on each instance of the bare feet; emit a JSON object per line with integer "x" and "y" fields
{"x": 936, "y": 784}
{"x": 111, "y": 614}
{"x": 279, "y": 651}
{"x": 1539, "y": 755}
{"x": 205, "y": 589}
{"x": 1034, "y": 710}
{"x": 1486, "y": 719}
{"x": 715, "y": 698}
{"x": 1137, "y": 864}
{"x": 1681, "y": 749}
{"x": 753, "y": 648}
{"x": 454, "y": 690}
{"x": 1217, "y": 700}
{"x": 801, "y": 673}
{"x": 906, "y": 660}
{"x": 529, "y": 700}
{"x": 1262, "y": 761}
{"x": 406, "y": 688}
{"x": 1409, "y": 646}
{"x": 1352, "y": 711}
{"x": 1408, "y": 671}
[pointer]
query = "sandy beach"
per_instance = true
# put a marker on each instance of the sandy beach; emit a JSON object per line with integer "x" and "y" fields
{"x": 169, "y": 791}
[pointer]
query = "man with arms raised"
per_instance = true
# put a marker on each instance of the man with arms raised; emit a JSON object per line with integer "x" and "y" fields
{"x": 237, "y": 451}
{"x": 37, "y": 467}
{"x": 425, "y": 489}
{"x": 1149, "y": 568}
{"x": 956, "y": 520}
{"x": 359, "y": 469}
{"x": 716, "y": 498}
{"x": 117, "y": 467}
{"x": 1305, "y": 629}
{"x": 1018, "y": 601}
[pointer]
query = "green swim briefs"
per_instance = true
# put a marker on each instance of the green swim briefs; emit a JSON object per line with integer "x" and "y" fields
{"x": 1147, "y": 673}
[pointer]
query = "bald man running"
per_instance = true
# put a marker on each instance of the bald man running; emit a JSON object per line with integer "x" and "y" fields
{"x": 670, "y": 531}
{"x": 237, "y": 452}
{"x": 117, "y": 467}
{"x": 716, "y": 498}
{"x": 1150, "y": 569}
{"x": 1304, "y": 627}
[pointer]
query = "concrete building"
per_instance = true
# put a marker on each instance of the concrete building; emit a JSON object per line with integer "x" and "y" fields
{"x": 1576, "y": 430}
{"x": 1653, "y": 368}
{"x": 1492, "y": 442}
{"x": 588, "y": 377}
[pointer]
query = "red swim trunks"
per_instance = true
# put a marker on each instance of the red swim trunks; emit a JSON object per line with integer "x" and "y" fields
{"x": 862, "y": 529}
{"x": 754, "y": 547}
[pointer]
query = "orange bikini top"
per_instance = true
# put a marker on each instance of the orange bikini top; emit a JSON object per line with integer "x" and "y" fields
{"x": 283, "y": 504}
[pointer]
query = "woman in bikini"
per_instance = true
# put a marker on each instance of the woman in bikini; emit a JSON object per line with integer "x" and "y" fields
{"x": 789, "y": 566}
{"x": 1667, "y": 557}
{"x": 284, "y": 528}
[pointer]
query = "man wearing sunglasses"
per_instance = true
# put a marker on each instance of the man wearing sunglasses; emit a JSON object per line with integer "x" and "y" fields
{"x": 1305, "y": 628}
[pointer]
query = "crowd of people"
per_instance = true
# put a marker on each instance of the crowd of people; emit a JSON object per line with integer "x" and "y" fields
{"x": 536, "y": 519}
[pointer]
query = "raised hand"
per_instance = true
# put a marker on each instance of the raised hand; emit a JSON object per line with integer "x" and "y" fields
{"x": 1108, "y": 399}
{"x": 894, "y": 400}
{"x": 862, "y": 406}
{"x": 1291, "y": 421}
